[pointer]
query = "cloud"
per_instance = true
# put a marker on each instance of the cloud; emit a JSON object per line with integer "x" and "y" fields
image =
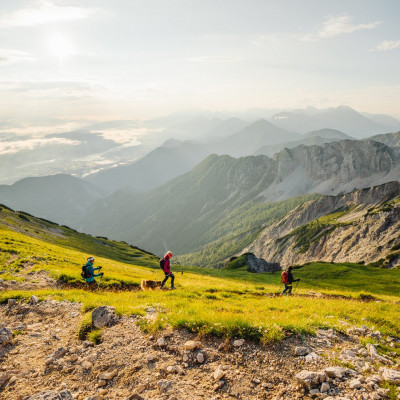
{"x": 9, "y": 56}
{"x": 334, "y": 26}
{"x": 44, "y": 12}
{"x": 211, "y": 59}
{"x": 54, "y": 89}
{"x": 387, "y": 45}
{"x": 15, "y": 146}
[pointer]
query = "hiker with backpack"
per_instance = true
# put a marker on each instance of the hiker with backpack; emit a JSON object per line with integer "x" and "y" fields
{"x": 165, "y": 265}
{"x": 287, "y": 279}
{"x": 88, "y": 271}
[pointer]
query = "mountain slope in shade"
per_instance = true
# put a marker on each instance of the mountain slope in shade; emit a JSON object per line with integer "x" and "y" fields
{"x": 361, "y": 226}
{"x": 60, "y": 198}
{"x": 154, "y": 169}
{"x": 342, "y": 118}
{"x": 390, "y": 139}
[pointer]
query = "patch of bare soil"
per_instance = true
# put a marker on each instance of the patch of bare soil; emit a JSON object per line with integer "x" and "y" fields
{"x": 45, "y": 356}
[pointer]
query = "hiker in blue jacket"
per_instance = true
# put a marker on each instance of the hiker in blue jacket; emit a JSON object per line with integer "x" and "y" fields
{"x": 90, "y": 271}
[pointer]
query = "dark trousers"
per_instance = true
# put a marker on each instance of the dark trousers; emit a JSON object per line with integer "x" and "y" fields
{"x": 288, "y": 289}
{"x": 171, "y": 275}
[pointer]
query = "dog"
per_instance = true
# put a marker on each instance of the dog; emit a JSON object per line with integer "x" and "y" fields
{"x": 150, "y": 285}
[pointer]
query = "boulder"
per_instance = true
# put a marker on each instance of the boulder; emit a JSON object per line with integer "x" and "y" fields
{"x": 104, "y": 316}
{"x": 6, "y": 336}
{"x": 52, "y": 395}
{"x": 33, "y": 300}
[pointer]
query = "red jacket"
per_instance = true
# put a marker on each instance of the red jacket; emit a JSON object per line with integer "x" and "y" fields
{"x": 167, "y": 264}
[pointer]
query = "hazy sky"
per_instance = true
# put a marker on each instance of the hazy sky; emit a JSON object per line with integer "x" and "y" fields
{"x": 126, "y": 59}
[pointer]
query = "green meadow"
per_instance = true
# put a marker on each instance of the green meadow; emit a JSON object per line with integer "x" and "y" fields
{"x": 228, "y": 302}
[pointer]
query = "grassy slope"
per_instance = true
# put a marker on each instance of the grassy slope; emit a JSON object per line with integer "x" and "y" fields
{"x": 220, "y": 302}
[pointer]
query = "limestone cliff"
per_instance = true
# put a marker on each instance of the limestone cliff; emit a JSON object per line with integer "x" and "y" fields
{"x": 361, "y": 226}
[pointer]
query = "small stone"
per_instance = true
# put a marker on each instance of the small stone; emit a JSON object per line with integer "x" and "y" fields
{"x": 171, "y": 369}
{"x": 107, "y": 375}
{"x": 164, "y": 385}
{"x": 103, "y": 392}
{"x": 200, "y": 358}
{"x": 301, "y": 351}
{"x": 311, "y": 357}
{"x": 74, "y": 358}
{"x": 6, "y": 336}
{"x": 325, "y": 387}
{"x": 11, "y": 302}
{"x": 33, "y": 300}
{"x": 355, "y": 384}
{"x": 219, "y": 373}
{"x": 238, "y": 342}
{"x": 87, "y": 365}
{"x": 185, "y": 358}
{"x": 191, "y": 345}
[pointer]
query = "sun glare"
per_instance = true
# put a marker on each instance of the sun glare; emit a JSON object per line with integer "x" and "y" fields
{"x": 60, "y": 45}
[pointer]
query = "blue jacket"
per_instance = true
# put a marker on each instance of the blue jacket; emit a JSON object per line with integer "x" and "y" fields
{"x": 90, "y": 270}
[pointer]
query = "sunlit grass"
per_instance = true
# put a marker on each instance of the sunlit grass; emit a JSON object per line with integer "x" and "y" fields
{"x": 225, "y": 303}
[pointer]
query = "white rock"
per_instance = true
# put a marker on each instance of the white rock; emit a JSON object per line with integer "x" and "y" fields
{"x": 200, "y": 358}
{"x": 309, "y": 379}
{"x": 33, "y": 300}
{"x": 355, "y": 384}
{"x": 107, "y": 375}
{"x": 311, "y": 357}
{"x": 390, "y": 375}
{"x": 219, "y": 373}
{"x": 6, "y": 336}
{"x": 238, "y": 342}
{"x": 160, "y": 342}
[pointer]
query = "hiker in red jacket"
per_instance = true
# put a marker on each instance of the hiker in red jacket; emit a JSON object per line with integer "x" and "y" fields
{"x": 167, "y": 270}
{"x": 287, "y": 280}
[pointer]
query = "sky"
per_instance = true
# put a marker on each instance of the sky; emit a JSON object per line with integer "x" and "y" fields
{"x": 64, "y": 63}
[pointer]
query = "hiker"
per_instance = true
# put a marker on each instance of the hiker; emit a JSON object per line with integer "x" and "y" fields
{"x": 90, "y": 275}
{"x": 167, "y": 270}
{"x": 287, "y": 280}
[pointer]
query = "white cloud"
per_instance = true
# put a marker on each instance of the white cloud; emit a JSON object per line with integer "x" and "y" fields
{"x": 13, "y": 147}
{"x": 210, "y": 59}
{"x": 336, "y": 25}
{"x": 44, "y": 12}
{"x": 8, "y": 56}
{"x": 387, "y": 45}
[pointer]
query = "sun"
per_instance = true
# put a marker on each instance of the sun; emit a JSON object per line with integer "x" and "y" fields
{"x": 60, "y": 45}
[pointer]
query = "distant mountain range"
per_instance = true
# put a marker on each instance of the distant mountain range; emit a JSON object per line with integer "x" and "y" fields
{"x": 59, "y": 198}
{"x": 182, "y": 213}
{"x": 342, "y": 118}
{"x": 98, "y": 147}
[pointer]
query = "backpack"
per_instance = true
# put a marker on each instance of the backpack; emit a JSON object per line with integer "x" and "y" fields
{"x": 84, "y": 273}
{"x": 162, "y": 260}
{"x": 285, "y": 277}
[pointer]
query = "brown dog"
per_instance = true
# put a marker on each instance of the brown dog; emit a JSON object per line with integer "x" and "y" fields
{"x": 150, "y": 285}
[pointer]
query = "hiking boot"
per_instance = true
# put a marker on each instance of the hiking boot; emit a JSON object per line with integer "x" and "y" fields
{"x": 173, "y": 287}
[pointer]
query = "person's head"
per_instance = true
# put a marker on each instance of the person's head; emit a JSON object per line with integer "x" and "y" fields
{"x": 290, "y": 268}
{"x": 91, "y": 259}
{"x": 168, "y": 254}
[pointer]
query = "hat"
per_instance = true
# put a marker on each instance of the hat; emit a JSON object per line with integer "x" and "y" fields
{"x": 91, "y": 259}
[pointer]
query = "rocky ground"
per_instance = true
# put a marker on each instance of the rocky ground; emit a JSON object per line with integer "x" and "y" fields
{"x": 41, "y": 358}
